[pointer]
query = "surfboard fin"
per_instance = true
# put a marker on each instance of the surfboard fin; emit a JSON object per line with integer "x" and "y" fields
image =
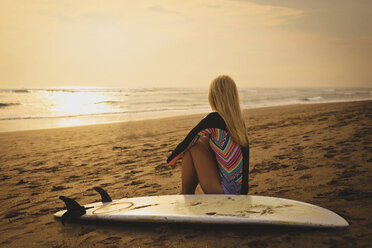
{"x": 104, "y": 195}
{"x": 74, "y": 210}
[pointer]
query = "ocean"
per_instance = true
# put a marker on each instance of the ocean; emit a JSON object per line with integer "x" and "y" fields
{"x": 26, "y": 109}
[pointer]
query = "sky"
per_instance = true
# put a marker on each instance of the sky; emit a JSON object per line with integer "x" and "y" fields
{"x": 177, "y": 43}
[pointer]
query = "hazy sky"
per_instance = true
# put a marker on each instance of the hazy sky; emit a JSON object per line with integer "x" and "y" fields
{"x": 123, "y": 43}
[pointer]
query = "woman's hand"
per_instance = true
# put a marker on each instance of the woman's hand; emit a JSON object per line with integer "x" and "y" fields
{"x": 169, "y": 153}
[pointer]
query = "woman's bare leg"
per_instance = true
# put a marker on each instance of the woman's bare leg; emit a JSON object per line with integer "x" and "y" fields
{"x": 189, "y": 177}
{"x": 198, "y": 165}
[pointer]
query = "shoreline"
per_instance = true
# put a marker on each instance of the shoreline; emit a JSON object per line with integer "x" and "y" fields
{"x": 162, "y": 117}
{"x": 316, "y": 153}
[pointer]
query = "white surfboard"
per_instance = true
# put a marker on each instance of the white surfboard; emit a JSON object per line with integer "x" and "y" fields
{"x": 217, "y": 209}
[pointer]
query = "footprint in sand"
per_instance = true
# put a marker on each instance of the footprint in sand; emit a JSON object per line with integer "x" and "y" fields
{"x": 58, "y": 188}
{"x": 85, "y": 230}
{"x": 350, "y": 194}
{"x": 13, "y": 214}
{"x": 282, "y": 191}
{"x": 110, "y": 240}
{"x": 323, "y": 119}
{"x": 133, "y": 172}
{"x": 147, "y": 144}
{"x": 126, "y": 162}
{"x": 306, "y": 176}
{"x": 329, "y": 155}
{"x": 33, "y": 186}
{"x": 153, "y": 185}
{"x": 134, "y": 183}
{"x": 162, "y": 167}
{"x": 256, "y": 243}
{"x": 282, "y": 156}
{"x": 301, "y": 167}
{"x": 21, "y": 182}
{"x": 71, "y": 178}
{"x": 120, "y": 147}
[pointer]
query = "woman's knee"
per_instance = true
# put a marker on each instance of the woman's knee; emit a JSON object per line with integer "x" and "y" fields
{"x": 202, "y": 143}
{"x": 204, "y": 140}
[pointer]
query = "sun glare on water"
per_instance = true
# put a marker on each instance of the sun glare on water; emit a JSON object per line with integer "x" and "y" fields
{"x": 66, "y": 103}
{"x": 77, "y": 105}
{"x": 74, "y": 103}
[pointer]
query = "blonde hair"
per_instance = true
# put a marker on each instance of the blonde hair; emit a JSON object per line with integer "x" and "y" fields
{"x": 224, "y": 99}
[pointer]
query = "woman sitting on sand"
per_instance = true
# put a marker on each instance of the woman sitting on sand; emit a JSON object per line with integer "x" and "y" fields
{"x": 215, "y": 153}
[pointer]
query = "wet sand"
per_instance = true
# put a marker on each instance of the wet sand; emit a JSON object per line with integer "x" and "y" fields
{"x": 317, "y": 153}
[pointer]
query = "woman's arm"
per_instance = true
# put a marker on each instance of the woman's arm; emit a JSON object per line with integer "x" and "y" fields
{"x": 212, "y": 120}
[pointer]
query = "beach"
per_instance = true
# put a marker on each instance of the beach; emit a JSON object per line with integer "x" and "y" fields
{"x": 316, "y": 153}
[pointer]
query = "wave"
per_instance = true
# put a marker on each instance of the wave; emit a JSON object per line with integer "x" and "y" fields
{"x": 103, "y": 113}
{"x": 247, "y": 90}
{"x": 141, "y": 90}
{"x": 15, "y": 90}
{"x": 97, "y": 90}
{"x": 109, "y": 102}
{"x": 314, "y": 99}
{"x": 4, "y": 105}
{"x": 355, "y": 92}
{"x": 21, "y": 91}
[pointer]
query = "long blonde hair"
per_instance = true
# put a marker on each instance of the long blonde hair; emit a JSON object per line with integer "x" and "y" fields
{"x": 224, "y": 98}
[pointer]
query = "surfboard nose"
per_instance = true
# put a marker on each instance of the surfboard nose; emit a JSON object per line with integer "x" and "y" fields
{"x": 342, "y": 222}
{"x": 337, "y": 220}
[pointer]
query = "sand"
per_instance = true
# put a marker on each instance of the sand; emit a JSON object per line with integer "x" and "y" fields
{"x": 317, "y": 153}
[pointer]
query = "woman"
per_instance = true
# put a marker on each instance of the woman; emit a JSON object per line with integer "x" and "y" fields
{"x": 215, "y": 153}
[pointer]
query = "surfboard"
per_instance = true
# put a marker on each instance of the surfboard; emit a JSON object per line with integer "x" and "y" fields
{"x": 212, "y": 209}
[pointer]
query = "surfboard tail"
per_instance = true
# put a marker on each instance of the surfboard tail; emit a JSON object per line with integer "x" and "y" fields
{"x": 75, "y": 210}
